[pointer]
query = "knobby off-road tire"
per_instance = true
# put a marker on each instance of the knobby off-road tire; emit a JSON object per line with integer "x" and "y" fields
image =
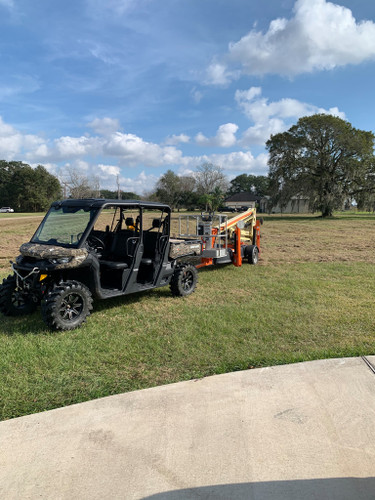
{"x": 67, "y": 305}
{"x": 13, "y": 301}
{"x": 184, "y": 280}
{"x": 252, "y": 254}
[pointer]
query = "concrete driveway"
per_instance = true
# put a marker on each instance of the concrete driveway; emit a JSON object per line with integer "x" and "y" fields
{"x": 302, "y": 431}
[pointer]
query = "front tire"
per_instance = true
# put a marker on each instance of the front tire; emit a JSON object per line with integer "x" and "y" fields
{"x": 67, "y": 305}
{"x": 184, "y": 280}
{"x": 13, "y": 300}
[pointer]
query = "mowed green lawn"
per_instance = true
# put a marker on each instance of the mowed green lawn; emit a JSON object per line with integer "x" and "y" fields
{"x": 310, "y": 297}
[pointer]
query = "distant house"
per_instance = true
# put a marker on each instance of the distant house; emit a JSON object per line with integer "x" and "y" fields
{"x": 248, "y": 200}
{"x": 296, "y": 204}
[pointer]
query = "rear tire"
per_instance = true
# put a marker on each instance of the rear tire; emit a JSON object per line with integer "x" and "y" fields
{"x": 252, "y": 254}
{"x": 184, "y": 280}
{"x": 67, "y": 305}
{"x": 15, "y": 301}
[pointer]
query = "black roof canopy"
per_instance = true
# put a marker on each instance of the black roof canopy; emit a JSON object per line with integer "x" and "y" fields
{"x": 102, "y": 202}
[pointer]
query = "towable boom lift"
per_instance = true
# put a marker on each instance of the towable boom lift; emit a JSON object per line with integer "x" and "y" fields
{"x": 224, "y": 241}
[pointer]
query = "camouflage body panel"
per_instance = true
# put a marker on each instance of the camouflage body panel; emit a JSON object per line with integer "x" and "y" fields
{"x": 180, "y": 248}
{"x": 48, "y": 252}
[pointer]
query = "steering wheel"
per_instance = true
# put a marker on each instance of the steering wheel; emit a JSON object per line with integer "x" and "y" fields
{"x": 94, "y": 242}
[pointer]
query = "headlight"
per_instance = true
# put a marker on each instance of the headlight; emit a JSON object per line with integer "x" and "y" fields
{"x": 62, "y": 260}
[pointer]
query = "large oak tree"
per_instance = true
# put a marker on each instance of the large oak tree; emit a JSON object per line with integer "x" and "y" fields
{"x": 324, "y": 158}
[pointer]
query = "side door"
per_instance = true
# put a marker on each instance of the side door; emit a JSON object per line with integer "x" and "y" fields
{"x": 155, "y": 238}
{"x": 118, "y": 228}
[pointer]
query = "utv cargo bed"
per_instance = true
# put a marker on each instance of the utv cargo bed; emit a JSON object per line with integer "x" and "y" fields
{"x": 183, "y": 248}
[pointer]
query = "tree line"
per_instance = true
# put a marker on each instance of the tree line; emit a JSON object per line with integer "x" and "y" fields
{"x": 206, "y": 189}
{"x": 27, "y": 189}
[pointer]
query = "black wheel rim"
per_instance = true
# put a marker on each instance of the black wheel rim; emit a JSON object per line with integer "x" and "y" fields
{"x": 18, "y": 299}
{"x": 187, "y": 280}
{"x": 71, "y": 307}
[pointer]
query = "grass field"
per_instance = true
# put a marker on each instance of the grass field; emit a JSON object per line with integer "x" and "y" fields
{"x": 310, "y": 297}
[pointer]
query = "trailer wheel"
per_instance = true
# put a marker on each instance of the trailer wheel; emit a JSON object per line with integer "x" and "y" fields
{"x": 67, "y": 305}
{"x": 252, "y": 254}
{"x": 184, "y": 280}
{"x": 13, "y": 300}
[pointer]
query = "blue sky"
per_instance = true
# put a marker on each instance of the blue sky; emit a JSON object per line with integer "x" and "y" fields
{"x": 132, "y": 88}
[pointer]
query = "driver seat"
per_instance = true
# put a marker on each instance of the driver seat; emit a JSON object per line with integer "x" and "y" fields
{"x": 117, "y": 253}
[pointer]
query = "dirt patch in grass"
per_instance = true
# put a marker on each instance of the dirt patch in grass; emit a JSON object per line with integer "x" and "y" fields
{"x": 288, "y": 240}
{"x": 14, "y": 232}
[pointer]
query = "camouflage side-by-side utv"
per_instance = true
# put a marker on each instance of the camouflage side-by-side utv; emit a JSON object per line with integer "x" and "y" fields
{"x": 96, "y": 248}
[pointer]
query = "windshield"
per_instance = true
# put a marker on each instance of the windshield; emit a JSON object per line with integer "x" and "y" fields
{"x": 63, "y": 226}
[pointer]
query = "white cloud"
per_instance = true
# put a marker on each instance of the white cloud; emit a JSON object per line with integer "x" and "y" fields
{"x": 5, "y": 129}
{"x": 84, "y": 166}
{"x": 104, "y": 126}
{"x": 243, "y": 161}
{"x": 259, "y": 133}
{"x": 102, "y": 52}
{"x": 13, "y": 142}
{"x": 218, "y": 74}
{"x": 225, "y": 137}
{"x": 51, "y": 167}
{"x": 173, "y": 140}
{"x": 40, "y": 152}
{"x": 129, "y": 149}
{"x": 133, "y": 150}
{"x": 140, "y": 184}
{"x": 109, "y": 170}
{"x": 187, "y": 171}
{"x": 320, "y": 36}
{"x": 240, "y": 161}
{"x": 196, "y": 95}
{"x": 273, "y": 117}
{"x": 68, "y": 147}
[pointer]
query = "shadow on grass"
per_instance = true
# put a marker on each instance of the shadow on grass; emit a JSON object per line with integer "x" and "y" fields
{"x": 129, "y": 300}
{"x": 24, "y": 325}
{"x": 33, "y": 323}
{"x": 355, "y": 217}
